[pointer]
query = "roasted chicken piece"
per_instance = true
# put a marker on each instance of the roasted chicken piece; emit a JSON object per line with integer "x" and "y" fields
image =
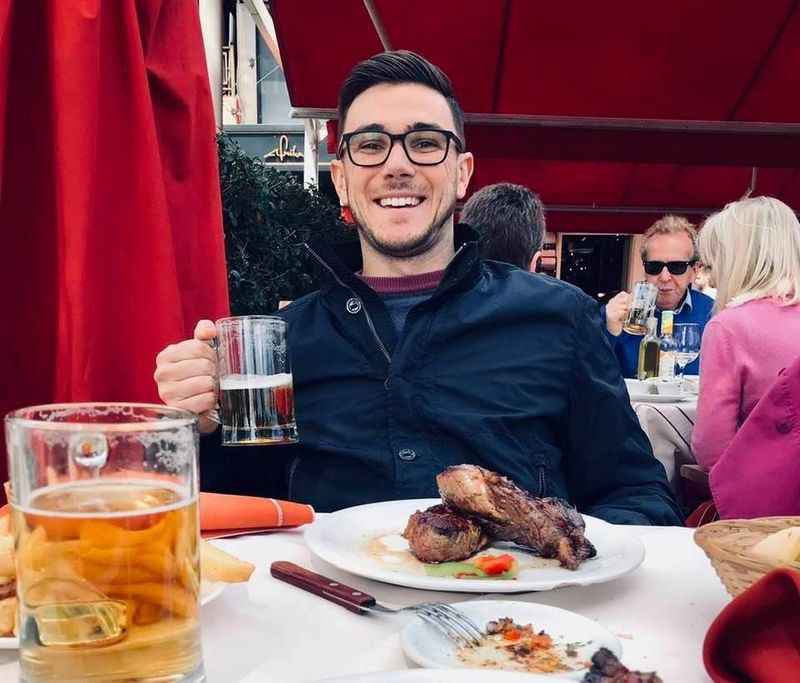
{"x": 606, "y": 668}
{"x": 549, "y": 526}
{"x": 440, "y": 535}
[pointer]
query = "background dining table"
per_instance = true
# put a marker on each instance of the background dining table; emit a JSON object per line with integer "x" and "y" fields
{"x": 669, "y": 426}
{"x": 267, "y": 631}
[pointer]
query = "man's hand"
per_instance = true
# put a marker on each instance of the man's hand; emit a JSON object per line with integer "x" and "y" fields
{"x": 617, "y": 311}
{"x": 186, "y": 375}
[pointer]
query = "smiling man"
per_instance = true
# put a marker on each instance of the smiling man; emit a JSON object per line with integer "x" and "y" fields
{"x": 417, "y": 355}
{"x": 669, "y": 257}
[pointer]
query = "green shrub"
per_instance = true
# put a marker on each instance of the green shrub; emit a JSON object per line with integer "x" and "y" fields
{"x": 267, "y": 216}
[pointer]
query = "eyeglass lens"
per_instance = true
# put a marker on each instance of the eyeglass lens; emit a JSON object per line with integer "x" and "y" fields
{"x": 424, "y": 147}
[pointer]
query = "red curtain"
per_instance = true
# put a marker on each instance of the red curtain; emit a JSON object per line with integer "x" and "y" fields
{"x": 111, "y": 243}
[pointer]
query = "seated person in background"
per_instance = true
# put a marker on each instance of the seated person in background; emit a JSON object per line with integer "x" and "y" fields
{"x": 416, "y": 356}
{"x": 752, "y": 249}
{"x": 510, "y": 221}
{"x": 669, "y": 255}
{"x": 702, "y": 281}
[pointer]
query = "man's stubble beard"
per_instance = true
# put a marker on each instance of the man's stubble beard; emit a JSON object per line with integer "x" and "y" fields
{"x": 415, "y": 247}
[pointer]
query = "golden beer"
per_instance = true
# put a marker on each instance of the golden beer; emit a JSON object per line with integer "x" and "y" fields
{"x": 257, "y": 409}
{"x": 108, "y": 582}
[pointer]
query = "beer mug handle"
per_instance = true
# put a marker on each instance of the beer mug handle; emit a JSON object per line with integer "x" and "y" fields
{"x": 213, "y": 414}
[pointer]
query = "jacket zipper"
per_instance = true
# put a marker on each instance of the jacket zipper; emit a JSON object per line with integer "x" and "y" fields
{"x": 542, "y": 483}
{"x": 292, "y": 470}
{"x": 371, "y": 325}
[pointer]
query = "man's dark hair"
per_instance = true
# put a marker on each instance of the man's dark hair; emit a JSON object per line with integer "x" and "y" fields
{"x": 399, "y": 66}
{"x": 510, "y": 220}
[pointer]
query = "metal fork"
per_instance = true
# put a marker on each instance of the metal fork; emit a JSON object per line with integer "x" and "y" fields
{"x": 455, "y": 625}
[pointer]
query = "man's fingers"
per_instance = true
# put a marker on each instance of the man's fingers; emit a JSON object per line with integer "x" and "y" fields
{"x": 184, "y": 369}
{"x": 197, "y": 404}
{"x": 186, "y": 389}
{"x": 205, "y": 330}
{"x": 186, "y": 350}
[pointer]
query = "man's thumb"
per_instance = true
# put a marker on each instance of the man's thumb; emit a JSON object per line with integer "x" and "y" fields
{"x": 205, "y": 330}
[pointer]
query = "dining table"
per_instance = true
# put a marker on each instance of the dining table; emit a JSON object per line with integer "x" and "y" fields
{"x": 266, "y": 631}
{"x": 668, "y": 425}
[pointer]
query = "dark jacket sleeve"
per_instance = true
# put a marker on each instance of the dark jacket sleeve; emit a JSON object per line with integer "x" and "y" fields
{"x": 614, "y": 340}
{"x": 611, "y": 470}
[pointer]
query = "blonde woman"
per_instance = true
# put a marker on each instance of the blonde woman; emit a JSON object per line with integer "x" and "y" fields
{"x": 752, "y": 249}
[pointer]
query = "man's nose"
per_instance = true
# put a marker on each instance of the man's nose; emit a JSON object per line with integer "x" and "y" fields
{"x": 664, "y": 275}
{"x": 398, "y": 163}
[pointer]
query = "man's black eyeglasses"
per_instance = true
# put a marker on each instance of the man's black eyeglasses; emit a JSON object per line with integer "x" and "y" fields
{"x": 674, "y": 267}
{"x": 423, "y": 147}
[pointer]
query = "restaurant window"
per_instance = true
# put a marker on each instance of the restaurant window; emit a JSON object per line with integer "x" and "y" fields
{"x": 597, "y": 264}
{"x": 273, "y": 97}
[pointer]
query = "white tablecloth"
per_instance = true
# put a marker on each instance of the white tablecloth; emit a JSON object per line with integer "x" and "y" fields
{"x": 268, "y": 631}
{"x": 669, "y": 428}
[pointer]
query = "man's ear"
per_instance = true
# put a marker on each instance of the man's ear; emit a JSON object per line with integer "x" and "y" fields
{"x": 339, "y": 181}
{"x": 535, "y": 261}
{"x": 466, "y": 165}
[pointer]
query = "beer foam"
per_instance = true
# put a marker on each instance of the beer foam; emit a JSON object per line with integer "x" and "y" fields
{"x": 255, "y": 381}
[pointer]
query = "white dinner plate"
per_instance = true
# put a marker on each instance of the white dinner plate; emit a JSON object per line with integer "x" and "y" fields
{"x": 209, "y": 590}
{"x": 366, "y": 541}
{"x": 425, "y": 646}
{"x": 443, "y": 676}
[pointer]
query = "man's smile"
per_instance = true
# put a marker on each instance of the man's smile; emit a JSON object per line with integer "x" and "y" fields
{"x": 399, "y": 201}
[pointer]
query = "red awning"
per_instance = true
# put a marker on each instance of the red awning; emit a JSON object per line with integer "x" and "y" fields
{"x": 613, "y": 113}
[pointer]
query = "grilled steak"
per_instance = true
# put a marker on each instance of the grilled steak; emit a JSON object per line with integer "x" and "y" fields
{"x": 606, "y": 668}
{"x": 440, "y": 535}
{"x": 546, "y": 525}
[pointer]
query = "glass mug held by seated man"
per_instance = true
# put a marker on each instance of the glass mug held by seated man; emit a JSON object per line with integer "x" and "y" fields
{"x": 104, "y": 503}
{"x": 246, "y": 383}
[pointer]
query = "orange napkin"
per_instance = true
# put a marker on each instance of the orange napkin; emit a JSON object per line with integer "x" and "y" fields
{"x": 225, "y": 515}
{"x": 756, "y": 638}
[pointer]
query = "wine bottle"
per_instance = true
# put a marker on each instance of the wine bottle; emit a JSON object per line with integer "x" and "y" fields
{"x": 649, "y": 352}
{"x": 666, "y": 360}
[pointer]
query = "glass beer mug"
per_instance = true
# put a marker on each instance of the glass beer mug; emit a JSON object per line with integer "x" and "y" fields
{"x": 104, "y": 504}
{"x": 256, "y": 397}
{"x": 643, "y": 305}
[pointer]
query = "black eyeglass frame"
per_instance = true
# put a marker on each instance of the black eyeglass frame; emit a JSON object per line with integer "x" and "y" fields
{"x": 674, "y": 267}
{"x": 401, "y": 137}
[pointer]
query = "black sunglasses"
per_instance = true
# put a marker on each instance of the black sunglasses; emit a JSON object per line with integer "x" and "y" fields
{"x": 423, "y": 146}
{"x": 674, "y": 267}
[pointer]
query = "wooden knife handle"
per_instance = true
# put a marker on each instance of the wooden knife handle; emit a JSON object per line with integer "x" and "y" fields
{"x": 335, "y": 591}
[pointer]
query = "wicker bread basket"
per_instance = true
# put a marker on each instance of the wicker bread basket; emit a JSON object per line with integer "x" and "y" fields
{"x": 727, "y": 543}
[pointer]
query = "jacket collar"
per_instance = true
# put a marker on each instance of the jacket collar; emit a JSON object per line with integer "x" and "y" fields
{"x": 339, "y": 262}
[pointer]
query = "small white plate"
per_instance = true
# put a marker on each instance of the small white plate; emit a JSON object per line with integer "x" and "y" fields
{"x": 442, "y": 676}
{"x": 658, "y": 398}
{"x": 425, "y": 646}
{"x": 363, "y": 539}
{"x": 209, "y": 590}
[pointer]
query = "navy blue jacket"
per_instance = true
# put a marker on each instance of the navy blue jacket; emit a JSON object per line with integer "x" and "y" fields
{"x": 499, "y": 368}
{"x": 626, "y": 346}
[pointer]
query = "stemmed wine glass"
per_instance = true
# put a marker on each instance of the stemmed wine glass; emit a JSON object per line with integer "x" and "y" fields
{"x": 687, "y": 346}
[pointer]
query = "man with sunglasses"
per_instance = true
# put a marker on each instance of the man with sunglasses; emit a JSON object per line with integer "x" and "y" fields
{"x": 669, "y": 257}
{"x": 416, "y": 355}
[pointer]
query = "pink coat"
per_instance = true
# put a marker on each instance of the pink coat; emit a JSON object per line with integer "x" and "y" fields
{"x": 758, "y": 474}
{"x": 744, "y": 347}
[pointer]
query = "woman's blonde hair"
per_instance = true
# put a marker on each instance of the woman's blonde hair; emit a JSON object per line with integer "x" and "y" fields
{"x": 753, "y": 250}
